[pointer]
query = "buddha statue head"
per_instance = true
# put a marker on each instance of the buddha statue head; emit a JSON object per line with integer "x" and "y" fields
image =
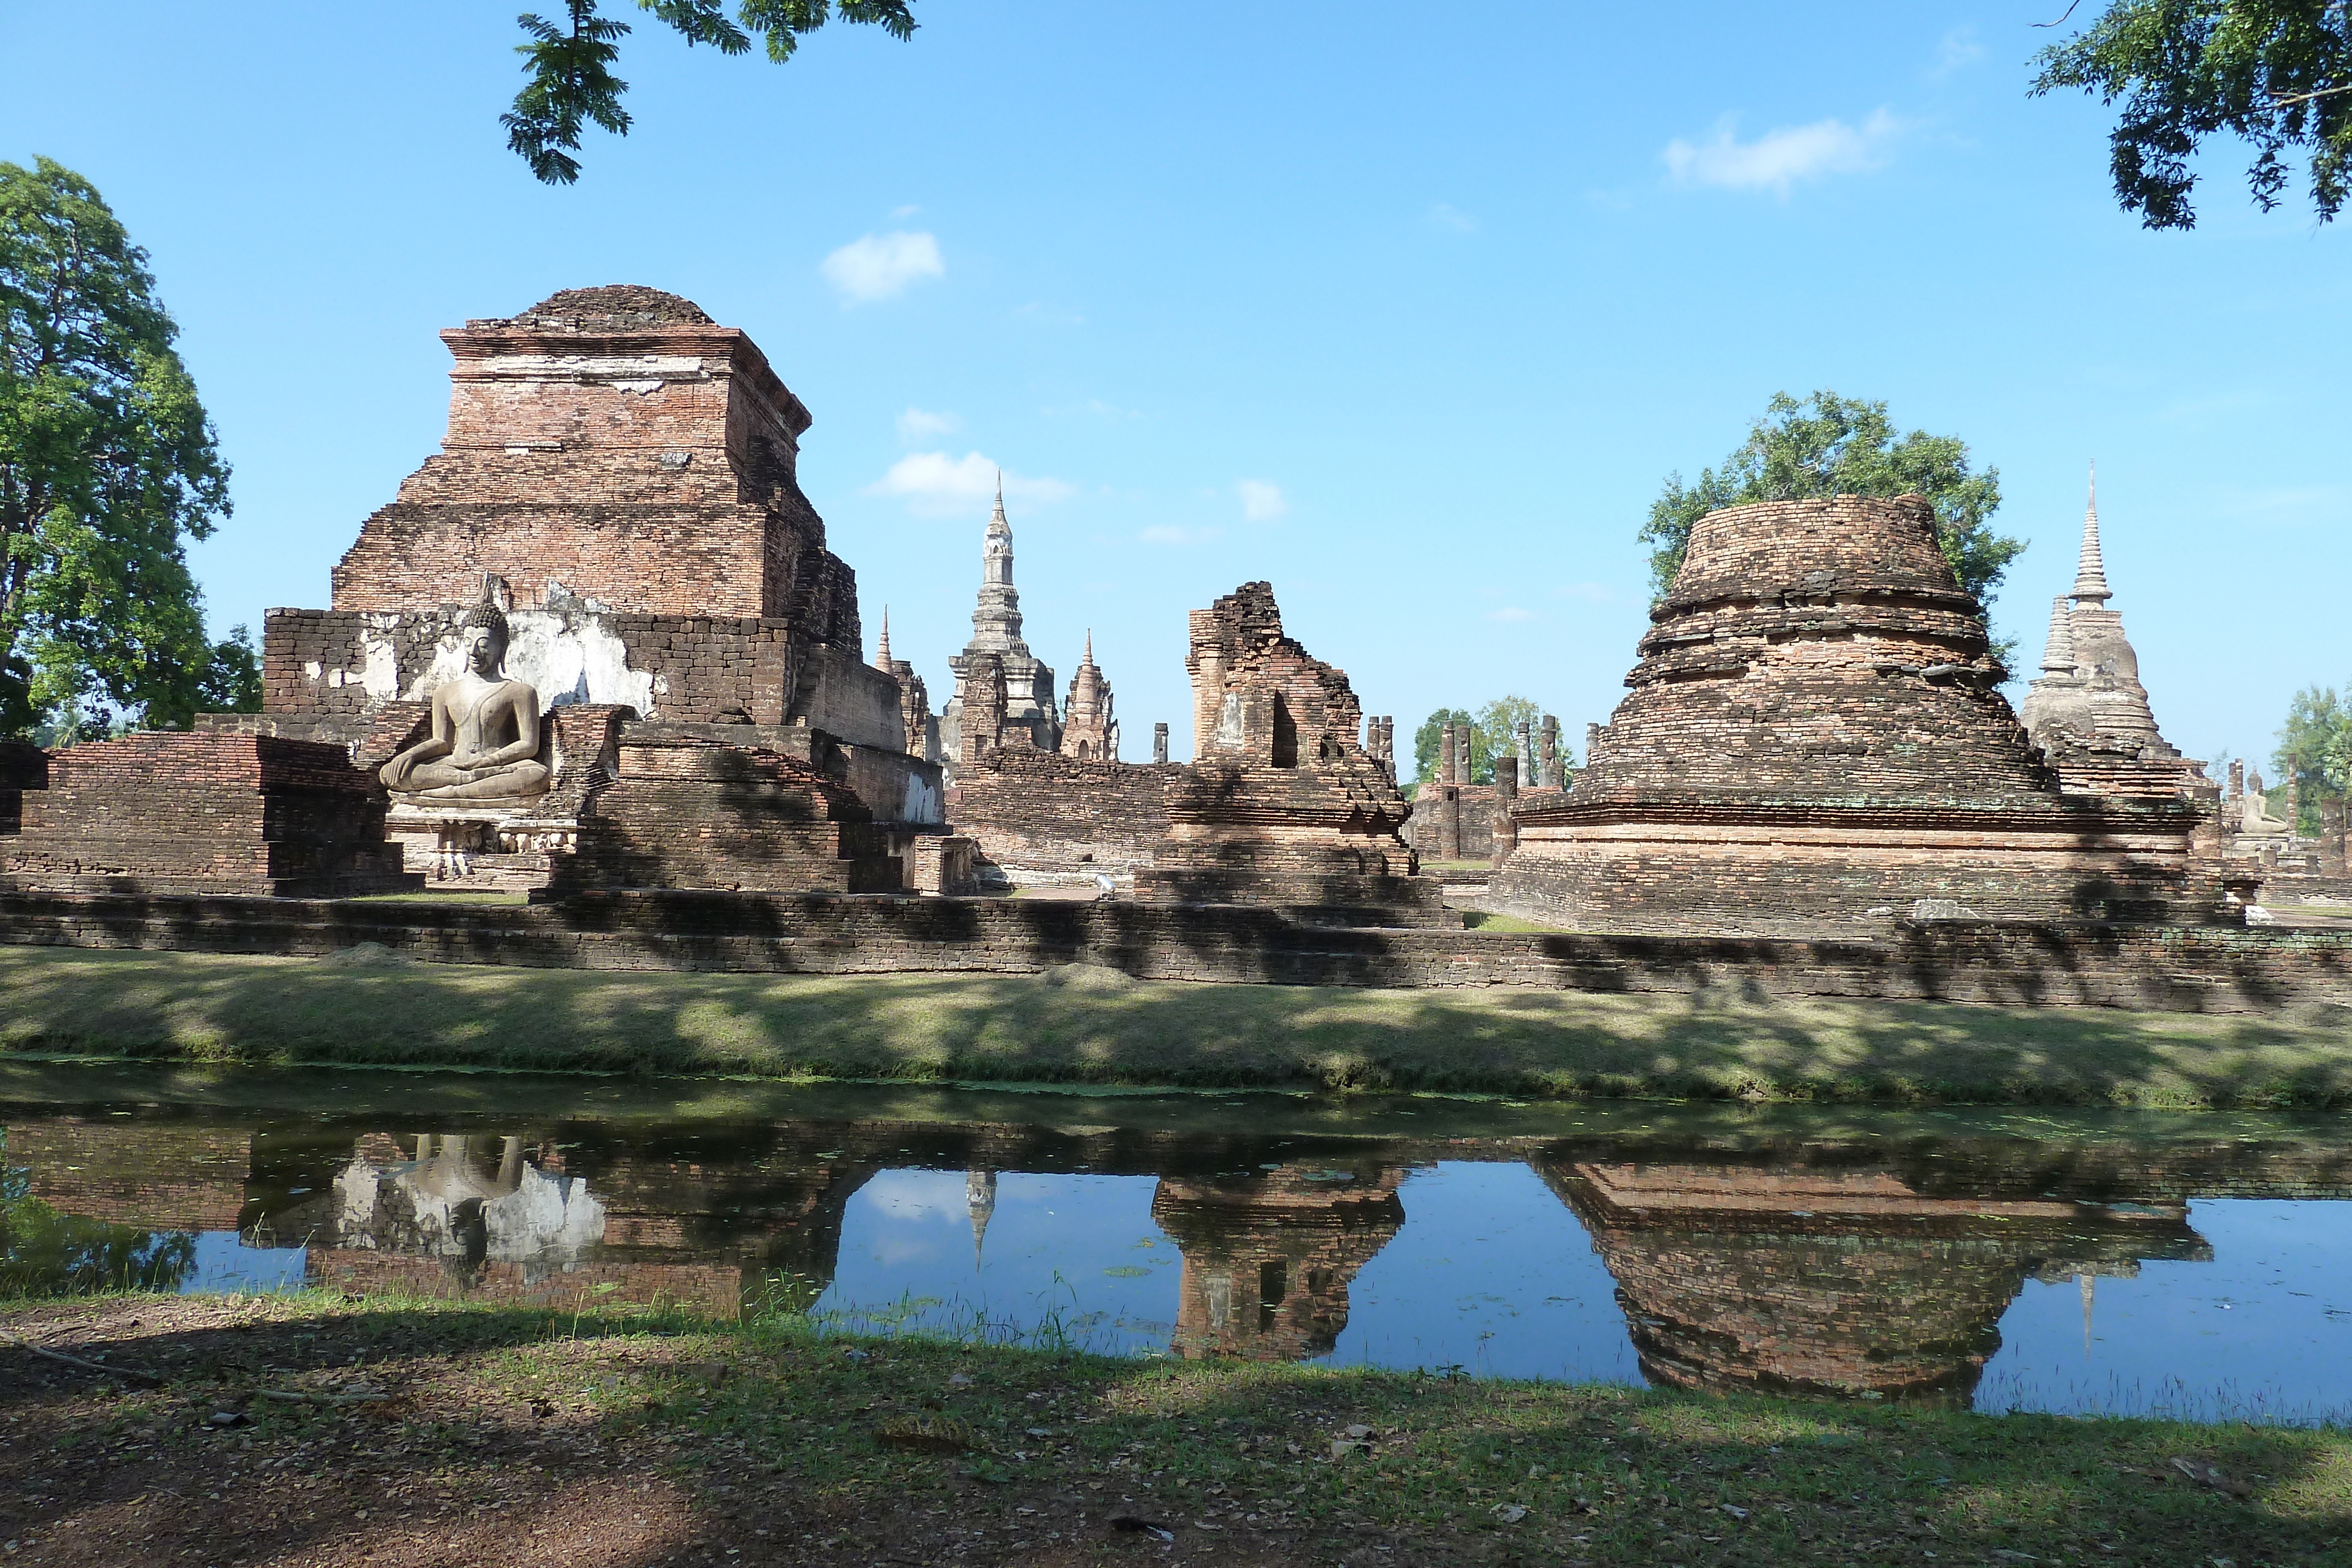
{"x": 482, "y": 633}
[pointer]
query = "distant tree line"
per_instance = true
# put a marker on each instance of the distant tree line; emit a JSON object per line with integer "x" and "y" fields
{"x": 2314, "y": 749}
{"x": 1490, "y": 729}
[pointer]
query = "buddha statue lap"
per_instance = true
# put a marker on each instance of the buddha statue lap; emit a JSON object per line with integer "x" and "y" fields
{"x": 486, "y": 737}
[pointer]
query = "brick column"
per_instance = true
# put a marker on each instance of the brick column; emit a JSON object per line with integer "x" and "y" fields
{"x": 1507, "y": 793}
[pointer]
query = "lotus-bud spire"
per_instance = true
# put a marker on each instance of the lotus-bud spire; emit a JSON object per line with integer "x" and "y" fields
{"x": 2091, "y": 574}
{"x": 2058, "y": 653}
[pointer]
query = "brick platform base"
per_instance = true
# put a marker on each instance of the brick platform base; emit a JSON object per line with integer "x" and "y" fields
{"x": 202, "y": 811}
{"x": 2208, "y": 969}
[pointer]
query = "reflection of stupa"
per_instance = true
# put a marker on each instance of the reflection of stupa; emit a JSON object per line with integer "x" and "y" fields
{"x": 1840, "y": 1282}
{"x": 1268, "y": 1259}
{"x": 980, "y": 1202}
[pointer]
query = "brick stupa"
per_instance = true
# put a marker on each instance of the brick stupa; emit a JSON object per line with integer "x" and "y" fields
{"x": 1814, "y": 741}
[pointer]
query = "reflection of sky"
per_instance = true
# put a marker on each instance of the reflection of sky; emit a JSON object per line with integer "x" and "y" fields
{"x": 1081, "y": 1249}
{"x": 224, "y": 1262}
{"x": 2263, "y": 1331}
{"x": 1493, "y": 1274}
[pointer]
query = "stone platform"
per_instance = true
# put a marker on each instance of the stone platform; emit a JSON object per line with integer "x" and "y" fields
{"x": 2216, "y": 969}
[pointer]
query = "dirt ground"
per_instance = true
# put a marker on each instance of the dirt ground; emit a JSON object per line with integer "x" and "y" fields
{"x": 427, "y": 1461}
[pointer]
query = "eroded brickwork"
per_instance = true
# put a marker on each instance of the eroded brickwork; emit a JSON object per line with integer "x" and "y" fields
{"x": 1813, "y": 740}
{"x": 2213, "y": 969}
{"x": 1839, "y": 1282}
{"x": 694, "y": 807}
{"x": 23, "y": 766}
{"x": 205, "y": 812}
{"x": 1282, "y": 804}
{"x": 1041, "y": 816}
{"x": 1268, "y": 1259}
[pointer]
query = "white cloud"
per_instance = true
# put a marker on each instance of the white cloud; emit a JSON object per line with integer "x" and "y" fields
{"x": 1779, "y": 159}
{"x": 1446, "y": 215}
{"x": 934, "y": 485}
{"x": 880, "y": 267}
{"x": 918, "y": 423}
{"x": 1957, "y": 49}
{"x": 1510, "y": 613}
{"x": 1262, "y": 502}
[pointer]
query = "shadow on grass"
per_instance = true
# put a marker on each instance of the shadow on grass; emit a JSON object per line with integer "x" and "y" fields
{"x": 1446, "y": 1469}
{"x": 1089, "y": 1025}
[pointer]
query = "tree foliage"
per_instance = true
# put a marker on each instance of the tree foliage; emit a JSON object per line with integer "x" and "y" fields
{"x": 2276, "y": 74}
{"x": 570, "y": 62}
{"x": 1831, "y": 446}
{"x": 2314, "y": 749}
{"x": 1490, "y": 735}
{"x": 106, "y": 468}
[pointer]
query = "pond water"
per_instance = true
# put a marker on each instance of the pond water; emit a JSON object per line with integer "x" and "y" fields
{"x": 2193, "y": 1266}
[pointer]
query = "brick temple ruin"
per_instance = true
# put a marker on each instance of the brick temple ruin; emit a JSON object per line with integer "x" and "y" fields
{"x": 1815, "y": 741}
{"x": 597, "y": 647}
{"x": 1285, "y": 802}
{"x": 1455, "y": 819}
{"x": 597, "y": 644}
{"x": 2090, "y": 714}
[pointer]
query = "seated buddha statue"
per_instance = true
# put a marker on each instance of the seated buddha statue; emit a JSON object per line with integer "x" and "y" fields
{"x": 486, "y": 738}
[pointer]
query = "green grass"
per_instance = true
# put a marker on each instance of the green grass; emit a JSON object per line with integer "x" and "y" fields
{"x": 1090, "y": 1026}
{"x": 1252, "y": 1460}
{"x": 445, "y": 895}
{"x": 1483, "y": 920}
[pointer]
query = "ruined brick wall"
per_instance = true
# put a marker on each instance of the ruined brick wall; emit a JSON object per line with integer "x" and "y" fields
{"x": 146, "y": 1174}
{"x": 625, "y": 469}
{"x": 1459, "y": 817}
{"x": 1042, "y": 816}
{"x": 1800, "y": 875}
{"x": 1814, "y": 733}
{"x": 1282, "y": 804}
{"x": 599, "y": 431}
{"x": 689, "y": 810}
{"x": 2192, "y": 970}
{"x": 697, "y": 669}
{"x": 23, "y": 766}
{"x": 205, "y": 812}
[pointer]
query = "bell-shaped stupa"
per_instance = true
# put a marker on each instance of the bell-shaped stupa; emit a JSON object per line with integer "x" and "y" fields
{"x": 1815, "y": 739}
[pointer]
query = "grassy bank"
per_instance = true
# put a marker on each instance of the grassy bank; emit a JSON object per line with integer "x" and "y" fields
{"x": 1093, "y": 1026}
{"x": 340, "y": 1430}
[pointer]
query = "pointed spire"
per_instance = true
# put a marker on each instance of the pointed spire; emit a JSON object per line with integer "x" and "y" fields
{"x": 979, "y": 1201}
{"x": 2091, "y": 575}
{"x": 2058, "y": 653}
{"x": 1088, "y": 657}
{"x": 882, "y": 649}
{"x": 1000, "y": 495}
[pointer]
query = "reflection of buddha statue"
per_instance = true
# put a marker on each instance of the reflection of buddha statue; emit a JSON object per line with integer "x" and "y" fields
{"x": 485, "y": 741}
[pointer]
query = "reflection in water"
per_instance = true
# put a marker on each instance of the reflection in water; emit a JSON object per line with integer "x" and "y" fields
{"x": 1841, "y": 1270}
{"x": 1268, "y": 1257}
{"x": 1847, "y": 1282}
{"x": 467, "y": 1201}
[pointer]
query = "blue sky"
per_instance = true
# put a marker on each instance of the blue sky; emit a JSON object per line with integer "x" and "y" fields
{"x": 1407, "y": 310}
